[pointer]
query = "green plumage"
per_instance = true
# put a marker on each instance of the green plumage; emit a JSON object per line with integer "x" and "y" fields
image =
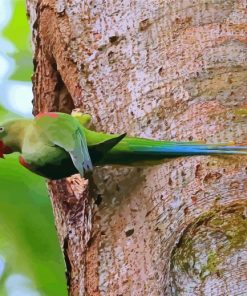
{"x": 57, "y": 145}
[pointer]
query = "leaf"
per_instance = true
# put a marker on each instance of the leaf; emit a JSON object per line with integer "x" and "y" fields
{"x": 18, "y": 32}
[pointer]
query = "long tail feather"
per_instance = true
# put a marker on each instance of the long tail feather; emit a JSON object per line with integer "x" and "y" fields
{"x": 185, "y": 149}
{"x": 139, "y": 151}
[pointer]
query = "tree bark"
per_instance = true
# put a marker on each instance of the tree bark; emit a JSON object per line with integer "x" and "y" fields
{"x": 172, "y": 70}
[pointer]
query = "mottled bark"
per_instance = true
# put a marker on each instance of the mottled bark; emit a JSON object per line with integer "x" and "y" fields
{"x": 172, "y": 70}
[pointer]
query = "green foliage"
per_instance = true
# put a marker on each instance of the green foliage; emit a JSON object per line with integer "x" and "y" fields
{"x": 28, "y": 240}
{"x": 19, "y": 33}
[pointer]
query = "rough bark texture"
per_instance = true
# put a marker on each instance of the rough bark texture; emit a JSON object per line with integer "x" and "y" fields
{"x": 165, "y": 69}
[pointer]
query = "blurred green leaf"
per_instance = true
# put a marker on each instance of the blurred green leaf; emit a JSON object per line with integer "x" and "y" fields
{"x": 26, "y": 220}
{"x": 17, "y": 31}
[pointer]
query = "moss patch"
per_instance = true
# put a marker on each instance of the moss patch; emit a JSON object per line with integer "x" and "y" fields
{"x": 211, "y": 266}
{"x": 210, "y": 240}
{"x": 240, "y": 114}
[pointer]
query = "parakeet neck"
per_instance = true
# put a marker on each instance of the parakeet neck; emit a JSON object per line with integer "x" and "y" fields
{"x": 16, "y": 133}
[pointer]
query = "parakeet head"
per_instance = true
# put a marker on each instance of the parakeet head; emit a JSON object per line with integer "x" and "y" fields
{"x": 8, "y": 133}
{"x": 4, "y": 149}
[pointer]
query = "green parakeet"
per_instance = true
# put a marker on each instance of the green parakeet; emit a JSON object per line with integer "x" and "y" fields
{"x": 58, "y": 145}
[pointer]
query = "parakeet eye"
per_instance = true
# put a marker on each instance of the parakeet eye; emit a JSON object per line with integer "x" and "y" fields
{"x": 1, "y": 129}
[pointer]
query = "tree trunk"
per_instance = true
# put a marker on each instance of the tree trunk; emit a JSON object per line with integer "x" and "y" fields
{"x": 172, "y": 70}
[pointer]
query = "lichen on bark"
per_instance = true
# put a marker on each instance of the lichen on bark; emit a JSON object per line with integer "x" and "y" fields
{"x": 206, "y": 246}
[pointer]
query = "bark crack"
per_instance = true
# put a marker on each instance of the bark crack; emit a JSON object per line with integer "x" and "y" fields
{"x": 67, "y": 261}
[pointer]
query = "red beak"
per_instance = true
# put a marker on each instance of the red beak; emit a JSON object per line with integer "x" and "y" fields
{"x": 4, "y": 149}
{"x": 1, "y": 149}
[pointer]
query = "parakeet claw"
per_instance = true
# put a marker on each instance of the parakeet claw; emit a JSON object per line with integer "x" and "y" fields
{"x": 84, "y": 119}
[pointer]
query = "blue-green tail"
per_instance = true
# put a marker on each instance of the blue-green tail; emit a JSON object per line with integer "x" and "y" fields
{"x": 107, "y": 149}
{"x": 137, "y": 151}
{"x": 185, "y": 148}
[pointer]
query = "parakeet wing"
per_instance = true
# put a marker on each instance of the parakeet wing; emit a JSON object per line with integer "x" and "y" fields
{"x": 64, "y": 131}
{"x": 80, "y": 155}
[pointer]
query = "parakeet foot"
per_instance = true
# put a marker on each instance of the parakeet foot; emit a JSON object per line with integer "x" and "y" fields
{"x": 85, "y": 119}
